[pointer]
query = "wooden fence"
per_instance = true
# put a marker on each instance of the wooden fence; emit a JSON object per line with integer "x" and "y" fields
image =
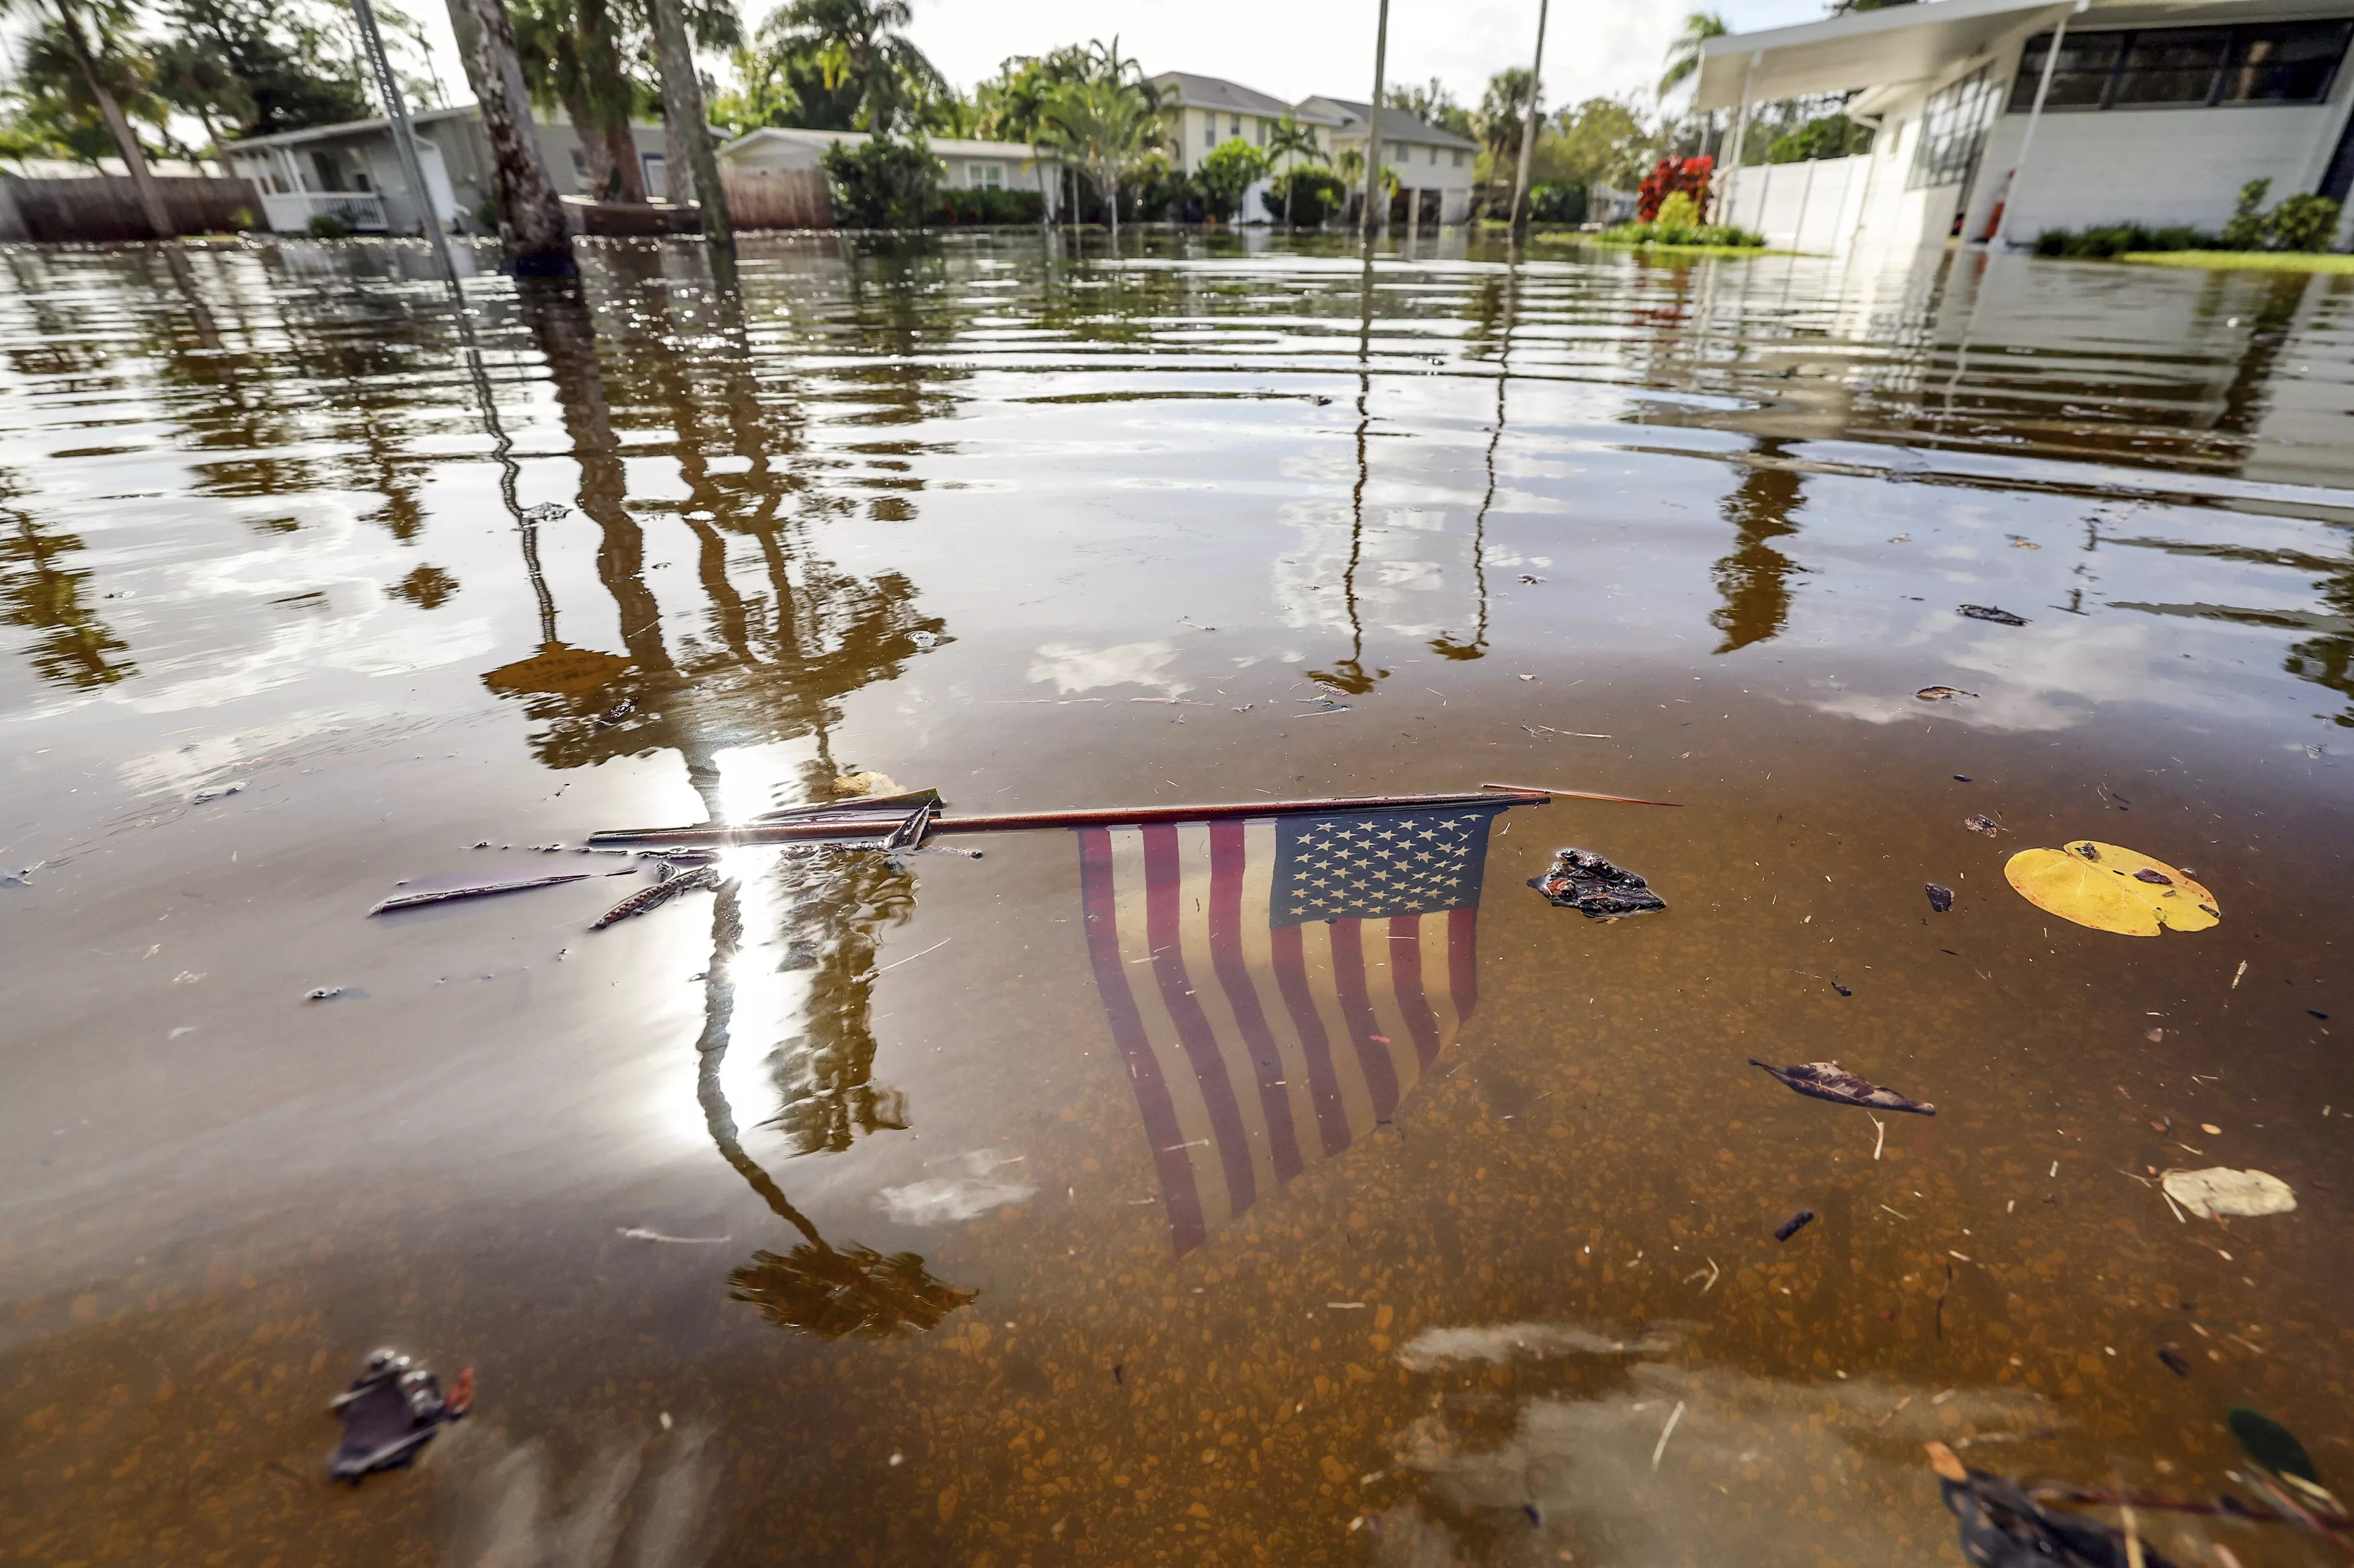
{"x": 105, "y": 207}
{"x": 776, "y": 198}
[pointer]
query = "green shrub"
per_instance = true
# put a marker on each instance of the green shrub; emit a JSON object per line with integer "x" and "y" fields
{"x": 2303, "y": 223}
{"x": 1563, "y": 203}
{"x": 1305, "y": 196}
{"x": 2246, "y": 229}
{"x": 327, "y": 225}
{"x": 882, "y": 184}
{"x": 1227, "y": 171}
{"x": 1157, "y": 192}
{"x": 983, "y": 205}
{"x": 1679, "y": 224}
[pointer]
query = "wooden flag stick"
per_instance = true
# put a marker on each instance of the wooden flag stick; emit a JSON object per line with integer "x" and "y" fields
{"x": 1582, "y": 795}
{"x": 1025, "y": 821}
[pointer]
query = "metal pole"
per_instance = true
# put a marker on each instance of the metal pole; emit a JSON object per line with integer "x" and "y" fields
{"x": 1740, "y": 139}
{"x": 403, "y": 137}
{"x": 1529, "y": 135}
{"x": 1373, "y": 223}
{"x": 2034, "y": 117}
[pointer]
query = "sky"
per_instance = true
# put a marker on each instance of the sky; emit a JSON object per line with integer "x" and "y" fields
{"x": 1295, "y": 47}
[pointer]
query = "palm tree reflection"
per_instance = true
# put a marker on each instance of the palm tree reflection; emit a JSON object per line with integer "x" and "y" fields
{"x": 1755, "y": 577}
{"x": 816, "y": 1288}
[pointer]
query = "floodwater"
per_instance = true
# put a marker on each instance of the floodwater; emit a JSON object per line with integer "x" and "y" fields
{"x": 829, "y": 1218}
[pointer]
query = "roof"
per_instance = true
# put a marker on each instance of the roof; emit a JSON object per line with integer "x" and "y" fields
{"x": 944, "y": 147}
{"x": 1185, "y": 88}
{"x": 348, "y": 127}
{"x": 1863, "y": 49}
{"x": 1397, "y": 124}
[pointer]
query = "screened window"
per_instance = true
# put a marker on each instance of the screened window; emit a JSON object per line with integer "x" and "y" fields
{"x": 2260, "y": 62}
{"x": 1953, "y": 129}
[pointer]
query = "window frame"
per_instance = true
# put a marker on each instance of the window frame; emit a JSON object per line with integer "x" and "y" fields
{"x": 2231, "y": 65}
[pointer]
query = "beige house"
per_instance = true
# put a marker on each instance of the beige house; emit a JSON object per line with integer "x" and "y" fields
{"x": 1205, "y": 113}
{"x": 1433, "y": 167}
{"x": 971, "y": 165}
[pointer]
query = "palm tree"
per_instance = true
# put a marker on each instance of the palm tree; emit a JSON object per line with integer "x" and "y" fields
{"x": 87, "y": 28}
{"x": 532, "y": 229}
{"x": 1291, "y": 141}
{"x": 861, "y": 44}
{"x": 1101, "y": 127}
{"x": 1685, "y": 52}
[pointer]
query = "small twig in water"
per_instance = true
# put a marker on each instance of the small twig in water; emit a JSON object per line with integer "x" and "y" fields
{"x": 1667, "y": 1432}
{"x": 911, "y": 958}
{"x": 1879, "y": 1142}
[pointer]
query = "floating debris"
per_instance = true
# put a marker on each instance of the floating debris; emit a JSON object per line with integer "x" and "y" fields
{"x": 546, "y": 512}
{"x": 392, "y": 1410}
{"x": 327, "y": 992}
{"x": 1794, "y": 1225}
{"x": 1981, "y": 824}
{"x": 1941, "y": 899}
{"x": 617, "y": 713}
{"x": 1830, "y": 1081}
{"x": 1942, "y": 694}
{"x": 1988, "y": 613}
{"x": 484, "y": 889}
{"x": 2111, "y": 889}
{"x": 2003, "y": 1527}
{"x": 661, "y": 893}
{"x": 863, "y": 784}
{"x": 2220, "y": 1193}
{"x": 640, "y": 1233}
{"x": 1581, "y": 880}
{"x": 214, "y": 792}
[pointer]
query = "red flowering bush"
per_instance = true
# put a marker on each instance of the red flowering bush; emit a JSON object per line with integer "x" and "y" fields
{"x": 1690, "y": 176}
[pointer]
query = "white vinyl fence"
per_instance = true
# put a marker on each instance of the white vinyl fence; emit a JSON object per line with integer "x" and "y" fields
{"x": 1811, "y": 207}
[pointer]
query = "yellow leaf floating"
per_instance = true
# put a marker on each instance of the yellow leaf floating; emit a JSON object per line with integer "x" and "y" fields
{"x": 2111, "y": 888}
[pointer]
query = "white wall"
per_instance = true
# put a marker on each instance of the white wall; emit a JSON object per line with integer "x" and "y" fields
{"x": 2149, "y": 166}
{"x": 1807, "y": 207}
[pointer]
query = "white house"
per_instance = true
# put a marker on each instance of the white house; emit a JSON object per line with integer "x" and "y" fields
{"x": 351, "y": 171}
{"x": 1997, "y": 120}
{"x": 971, "y": 165}
{"x": 1433, "y": 167}
{"x": 1204, "y": 112}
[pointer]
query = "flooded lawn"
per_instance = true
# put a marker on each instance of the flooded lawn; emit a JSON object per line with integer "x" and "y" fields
{"x": 1175, "y": 1195}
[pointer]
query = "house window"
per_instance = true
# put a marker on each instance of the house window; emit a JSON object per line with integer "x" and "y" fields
{"x": 1236, "y": 127}
{"x": 1209, "y": 130}
{"x": 985, "y": 176}
{"x": 2259, "y": 62}
{"x": 1953, "y": 129}
{"x": 657, "y": 186}
{"x": 1262, "y": 133}
{"x": 1459, "y": 157}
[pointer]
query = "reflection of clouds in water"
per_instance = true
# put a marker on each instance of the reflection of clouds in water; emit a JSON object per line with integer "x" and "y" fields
{"x": 1073, "y": 668}
{"x": 946, "y": 1200}
{"x": 632, "y": 1505}
{"x": 1763, "y": 1473}
{"x": 308, "y": 735}
{"x": 2049, "y": 680}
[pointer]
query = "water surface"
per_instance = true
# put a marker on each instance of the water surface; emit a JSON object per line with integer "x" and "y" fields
{"x": 1216, "y": 521}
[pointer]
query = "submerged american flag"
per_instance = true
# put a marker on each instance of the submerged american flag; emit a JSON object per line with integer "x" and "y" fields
{"x": 1277, "y": 985}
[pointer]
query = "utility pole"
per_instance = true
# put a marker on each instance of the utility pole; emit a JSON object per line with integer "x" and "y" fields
{"x": 532, "y": 229}
{"x": 1529, "y": 135}
{"x": 690, "y": 130}
{"x": 1376, "y": 222}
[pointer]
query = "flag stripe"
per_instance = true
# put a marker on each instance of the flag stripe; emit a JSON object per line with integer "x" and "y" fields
{"x": 1405, "y": 964}
{"x": 1463, "y": 961}
{"x": 1349, "y": 980}
{"x": 1229, "y": 1141}
{"x": 1099, "y": 905}
{"x": 1227, "y": 853}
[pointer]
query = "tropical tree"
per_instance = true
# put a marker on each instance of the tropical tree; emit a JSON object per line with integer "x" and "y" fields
{"x": 1101, "y": 126}
{"x": 861, "y": 52}
{"x": 1502, "y": 109}
{"x": 532, "y": 229}
{"x": 1434, "y": 105}
{"x": 1685, "y": 52}
{"x": 93, "y": 40}
{"x": 572, "y": 56}
{"x": 1290, "y": 141}
{"x": 1600, "y": 141}
{"x": 1227, "y": 172}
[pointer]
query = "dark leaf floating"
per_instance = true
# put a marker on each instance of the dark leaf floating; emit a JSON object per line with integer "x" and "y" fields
{"x": 2271, "y": 1445}
{"x": 1828, "y": 1081}
{"x": 2175, "y": 1363}
{"x": 2003, "y": 1527}
{"x": 1988, "y": 613}
{"x": 1940, "y": 898}
{"x": 1794, "y": 1225}
{"x": 1942, "y": 694}
{"x": 1581, "y": 880}
{"x": 391, "y": 1411}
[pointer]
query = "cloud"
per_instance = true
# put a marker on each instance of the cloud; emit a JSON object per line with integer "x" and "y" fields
{"x": 947, "y": 1200}
{"x": 1073, "y": 668}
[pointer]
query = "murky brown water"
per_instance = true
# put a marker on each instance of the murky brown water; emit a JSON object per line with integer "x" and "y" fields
{"x": 969, "y": 515}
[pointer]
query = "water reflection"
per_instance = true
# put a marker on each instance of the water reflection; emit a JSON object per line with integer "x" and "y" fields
{"x": 1753, "y": 579}
{"x": 42, "y": 589}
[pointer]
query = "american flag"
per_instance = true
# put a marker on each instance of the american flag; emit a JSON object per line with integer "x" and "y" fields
{"x": 1277, "y": 985}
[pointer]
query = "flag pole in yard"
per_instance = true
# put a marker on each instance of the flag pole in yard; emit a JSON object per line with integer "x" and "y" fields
{"x": 2035, "y": 118}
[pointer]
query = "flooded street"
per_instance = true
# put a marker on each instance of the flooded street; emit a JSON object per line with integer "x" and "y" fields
{"x": 969, "y": 1211}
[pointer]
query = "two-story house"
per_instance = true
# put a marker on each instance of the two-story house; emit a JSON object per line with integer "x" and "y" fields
{"x": 1433, "y": 167}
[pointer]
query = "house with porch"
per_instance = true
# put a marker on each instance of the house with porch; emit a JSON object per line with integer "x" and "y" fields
{"x": 1997, "y": 120}
{"x": 351, "y": 171}
{"x": 972, "y": 164}
{"x": 1433, "y": 167}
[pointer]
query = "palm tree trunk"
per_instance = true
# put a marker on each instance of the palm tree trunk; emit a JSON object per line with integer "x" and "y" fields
{"x": 135, "y": 160}
{"x": 596, "y": 154}
{"x": 690, "y": 130}
{"x": 532, "y": 229}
